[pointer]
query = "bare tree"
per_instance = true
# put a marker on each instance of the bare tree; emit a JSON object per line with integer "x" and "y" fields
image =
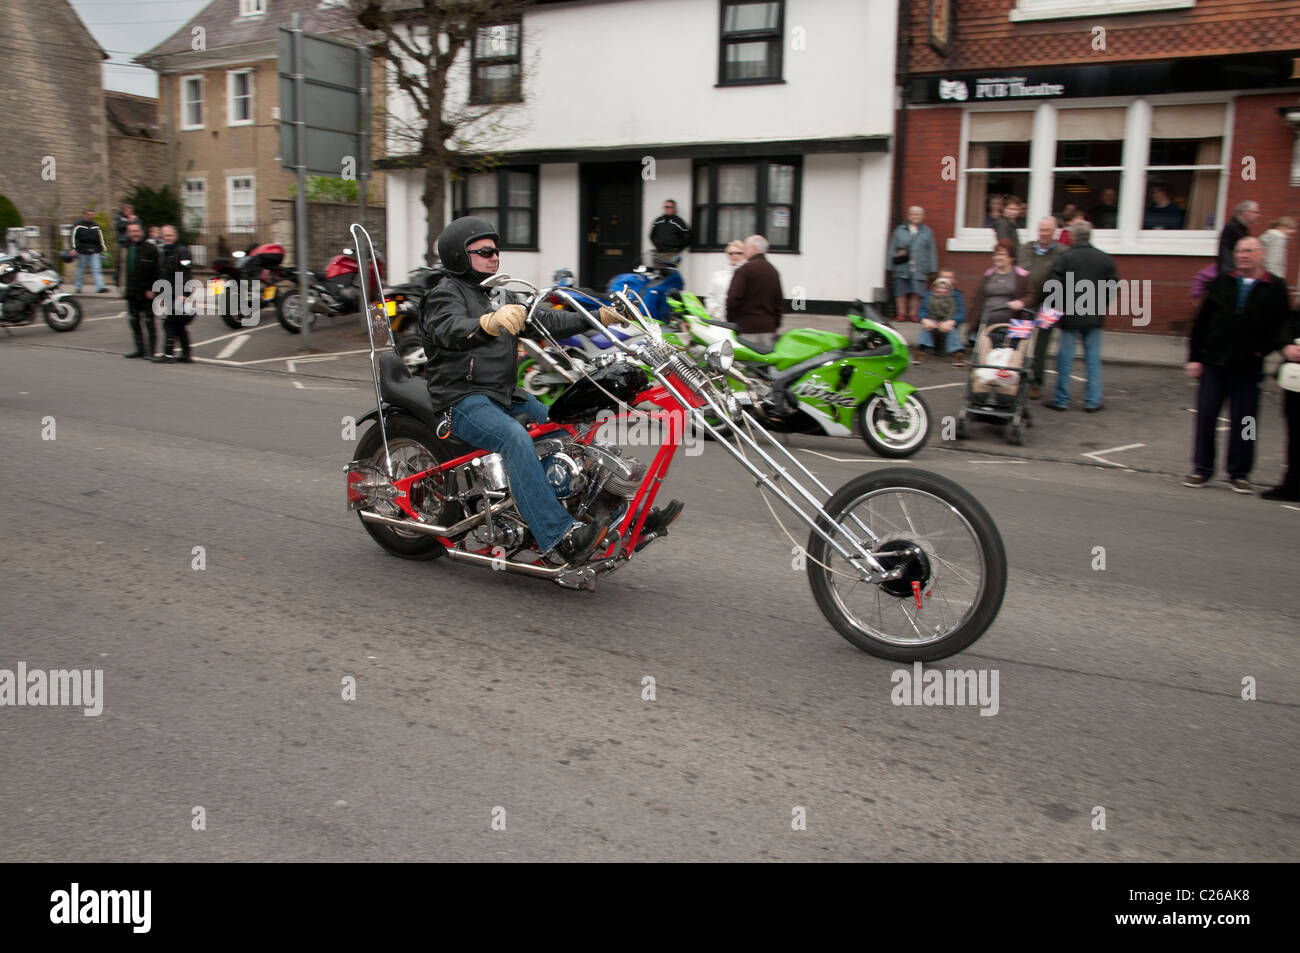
{"x": 421, "y": 41}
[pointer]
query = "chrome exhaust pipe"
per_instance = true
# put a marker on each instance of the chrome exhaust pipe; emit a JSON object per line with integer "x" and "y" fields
{"x": 505, "y": 565}
{"x": 430, "y": 528}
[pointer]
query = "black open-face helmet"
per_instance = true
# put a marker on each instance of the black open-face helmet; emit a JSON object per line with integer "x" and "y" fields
{"x": 454, "y": 238}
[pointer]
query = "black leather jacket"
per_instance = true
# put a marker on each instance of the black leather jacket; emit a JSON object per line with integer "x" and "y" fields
{"x": 463, "y": 358}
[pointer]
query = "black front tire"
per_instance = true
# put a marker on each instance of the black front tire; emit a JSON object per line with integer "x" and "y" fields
{"x": 904, "y": 442}
{"x": 993, "y": 583}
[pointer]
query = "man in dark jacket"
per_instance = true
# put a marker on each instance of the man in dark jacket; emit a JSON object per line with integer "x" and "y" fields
{"x": 754, "y": 296}
{"x": 125, "y": 216}
{"x": 88, "y": 247}
{"x": 1289, "y": 488}
{"x": 1240, "y": 322}
{"x": 140, "y": 271}
{"x": 1037, "y": 258}
{"x": 174, "y": 269}
{"x": 473, "y": 372}
{"x": 1244, "y": 215}
{"x": 1084, "y": 281}
{"x": 669, "y": 233}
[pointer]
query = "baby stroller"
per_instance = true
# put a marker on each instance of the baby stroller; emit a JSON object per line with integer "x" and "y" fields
{"x": 997, "y": 388}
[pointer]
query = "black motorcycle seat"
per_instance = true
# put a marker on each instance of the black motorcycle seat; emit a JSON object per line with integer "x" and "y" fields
{"x": 754, "y": 345}
{"x": 725, "y": 324}
{"x": 411, "y": 394}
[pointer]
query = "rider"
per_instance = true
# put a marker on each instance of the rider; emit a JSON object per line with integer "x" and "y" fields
{"x": 472, "y": 375}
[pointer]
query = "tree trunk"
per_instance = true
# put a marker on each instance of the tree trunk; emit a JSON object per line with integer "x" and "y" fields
{"x": 435, "y": 201}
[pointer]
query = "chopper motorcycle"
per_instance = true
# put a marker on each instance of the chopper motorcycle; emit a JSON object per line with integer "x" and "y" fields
{"x": 906, "y": 565}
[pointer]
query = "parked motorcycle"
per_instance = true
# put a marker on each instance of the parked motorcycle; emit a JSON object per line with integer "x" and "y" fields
{"x": 336, "y": 292}
{"x": 816, "y": 381}
{"x": 29, "y": 287}
{"x": 260, "y": 263}
{"x": 906, "y": 565}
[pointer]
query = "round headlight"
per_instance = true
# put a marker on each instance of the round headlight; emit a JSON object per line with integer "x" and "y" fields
{"x": 720, "y": 356}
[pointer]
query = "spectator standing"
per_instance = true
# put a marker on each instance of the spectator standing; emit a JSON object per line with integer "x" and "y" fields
{"x": 1244, "y": 215}
{"x": 913, "y": 257}
{"x": 754, "y": 296}
{"x": 994, "y": 212}
{"x": 1274, "y": 241}
{"x": 1003, "y": 292}
{"x": 1240, "y": 322}
{"x": 1289, "y": 488}
{"x": 1080, "y": 266}
{"x": 1005, "y": 227}
{"x": 1037, "y": 258}
{"x": 139, "y": 272}
{"x": 1106, "y": 213}
{"x": 88, "y": 247}
{"x": 943, "y": 312}
{"x": 721, "y": 281}
{"x": 174, "y": 268}
{"x": 155, "y": 236}
{"x": 125, "y": 216}
{"x": 669, "y": 233}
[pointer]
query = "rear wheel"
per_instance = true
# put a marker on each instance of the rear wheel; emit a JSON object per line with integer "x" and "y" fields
{"x": 949, "y": 550}
{"x": 63, "y": 314}
{"x": 410, "y": 446}
{"x": 890, "y": 433}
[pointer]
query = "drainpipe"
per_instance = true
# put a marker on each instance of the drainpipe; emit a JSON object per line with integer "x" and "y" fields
{"x": 901, "y": 75}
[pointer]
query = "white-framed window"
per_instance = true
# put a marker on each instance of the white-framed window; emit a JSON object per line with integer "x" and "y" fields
{"x": 252, "y": 8}
{"x": 241, "y": 202}
{"x": 191, "y": 101}
{"x": 1148, "y": 173}
{"x": 239, "y": 97}
{"x": 194, "y": 203}
{"x": 1062, "y": 9}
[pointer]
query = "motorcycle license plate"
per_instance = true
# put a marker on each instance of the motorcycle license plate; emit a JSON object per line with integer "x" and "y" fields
{"x": 392, "y": 308}
{"x": 215, "y": 286}
{"x": 269, "y": 293}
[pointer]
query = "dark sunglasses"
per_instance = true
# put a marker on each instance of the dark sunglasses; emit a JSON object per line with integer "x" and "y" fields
{"x": 486, "y": 252}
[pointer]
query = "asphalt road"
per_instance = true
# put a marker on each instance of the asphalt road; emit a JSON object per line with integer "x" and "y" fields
{"x": 1119, "y": 689}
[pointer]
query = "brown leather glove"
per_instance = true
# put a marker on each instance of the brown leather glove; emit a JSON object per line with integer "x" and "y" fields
{"x": 510, "y": 318}
{"x": 608, "y": 316}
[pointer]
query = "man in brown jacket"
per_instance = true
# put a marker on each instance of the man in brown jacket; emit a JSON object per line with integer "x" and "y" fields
{"x": 754, "y": 296}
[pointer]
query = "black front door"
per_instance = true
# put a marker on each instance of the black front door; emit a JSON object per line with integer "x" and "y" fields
{"x": 609, "y": 221}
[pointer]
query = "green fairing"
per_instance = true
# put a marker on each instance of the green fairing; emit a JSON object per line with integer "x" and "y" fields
{"x": 795, "y": 346}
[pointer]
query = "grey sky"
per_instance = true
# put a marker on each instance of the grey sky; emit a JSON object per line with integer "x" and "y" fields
{"x": 126, "y": 28}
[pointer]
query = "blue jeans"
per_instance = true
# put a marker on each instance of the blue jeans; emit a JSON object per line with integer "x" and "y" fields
{"x": 96, "y": 268}
{"x": 482, "y": 422}
{"x": 953, "y": 343}
{"x": 1065, "y": 362}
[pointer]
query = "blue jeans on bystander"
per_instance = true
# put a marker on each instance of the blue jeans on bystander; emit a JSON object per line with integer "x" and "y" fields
{"x": 1068, "y": 343}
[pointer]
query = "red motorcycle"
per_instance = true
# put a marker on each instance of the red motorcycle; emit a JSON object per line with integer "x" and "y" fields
{"x": 338, "y": 291}
{"x": 233, "y": 294}
{"x": 905, "y": 564}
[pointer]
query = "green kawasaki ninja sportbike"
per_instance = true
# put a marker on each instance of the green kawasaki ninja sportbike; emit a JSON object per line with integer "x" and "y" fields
{"x": 822, "y": 382}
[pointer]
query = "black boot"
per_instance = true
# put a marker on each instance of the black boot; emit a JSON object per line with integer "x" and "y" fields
{"x": 660, "y": 519}
{"x": 580, "y": 542}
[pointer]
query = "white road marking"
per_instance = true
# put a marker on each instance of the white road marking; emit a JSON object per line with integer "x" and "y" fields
{"x": 827, "y": 456}
{"x": 1100, "y": 455}
{"x": 292, "y": 366}
{"x": 302, "y": 360}
{"x": 941, "y": 386}
{"x": 226, "y": 337}
{"x": 235, "y": 344}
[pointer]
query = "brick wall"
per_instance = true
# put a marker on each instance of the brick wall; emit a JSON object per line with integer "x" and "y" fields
{"x": 985, "y": 37}
{"x": 54, "y": 107}
{"x": 327, "y": 225}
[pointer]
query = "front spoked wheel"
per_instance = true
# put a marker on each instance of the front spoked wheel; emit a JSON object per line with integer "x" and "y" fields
{"x": 954, "y": 566}
{"x": 894, "y": 433}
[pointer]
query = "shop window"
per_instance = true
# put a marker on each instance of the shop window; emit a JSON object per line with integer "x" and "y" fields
{"x": 735, "y": 199}
{"x": 496, "y": 69}
{"x": 505, "y": 197}
{"x": 1184, "y": 167}
{"x": 750, "y": 44}
{"x": 1089, "y": 163}
{"x": 997, "y": 164}
{"x": 1061, "y": 9}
